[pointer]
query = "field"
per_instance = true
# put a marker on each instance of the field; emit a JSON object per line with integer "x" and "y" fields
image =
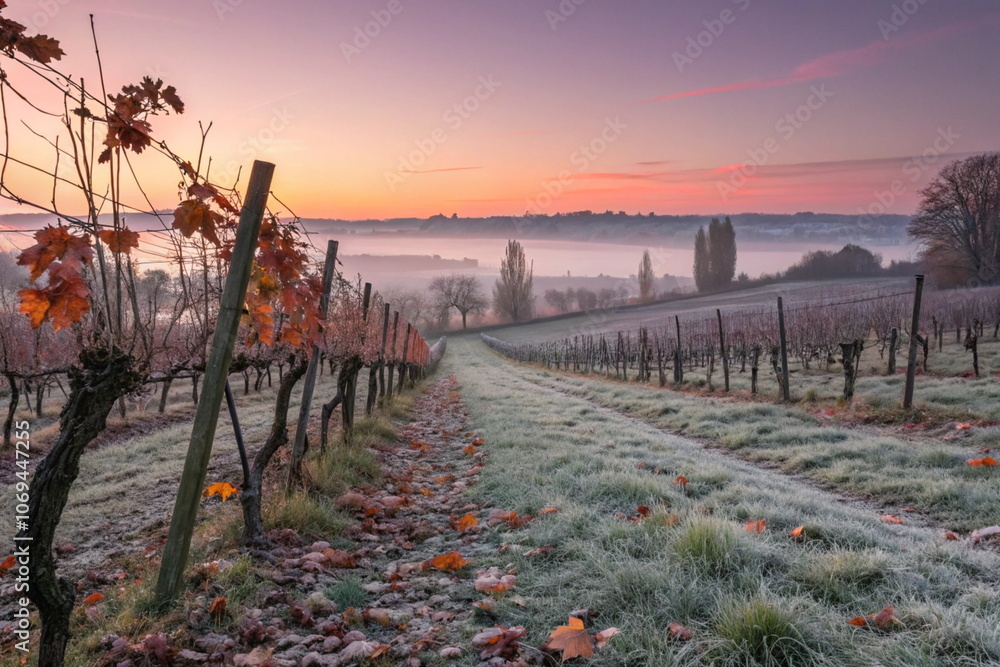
{"x": 596, "y": 449}
{"x": 707, "y": 527}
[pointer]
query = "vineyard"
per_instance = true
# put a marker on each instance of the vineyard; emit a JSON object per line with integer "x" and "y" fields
{"x": 111, "y": 316}
{"x": 829, "y": 332}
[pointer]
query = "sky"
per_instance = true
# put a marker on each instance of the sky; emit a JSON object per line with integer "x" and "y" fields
{"x": 409, "y": 108}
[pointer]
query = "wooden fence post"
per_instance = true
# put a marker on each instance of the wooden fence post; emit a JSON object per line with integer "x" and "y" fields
{"x": 785, "y": 392}
{"x": 911, "y": 363}
{"x": 392, "y": 366}
{"x": 300, "y": 444}
{"x": 206, "y": 418}
{"x": 402, "y": 364}
{"x": 722, "y": 346}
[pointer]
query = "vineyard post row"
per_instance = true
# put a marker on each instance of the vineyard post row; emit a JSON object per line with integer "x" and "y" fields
{"x": 815, "y": 331}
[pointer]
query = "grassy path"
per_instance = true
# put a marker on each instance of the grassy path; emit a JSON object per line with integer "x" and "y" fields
{"x": 573, "y": 444}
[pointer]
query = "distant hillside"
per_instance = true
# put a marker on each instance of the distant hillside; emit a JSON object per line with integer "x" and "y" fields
{"x": 639, "y": 229}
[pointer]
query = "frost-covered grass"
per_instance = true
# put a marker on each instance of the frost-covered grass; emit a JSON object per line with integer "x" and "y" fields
{"x": 576, "y": 444}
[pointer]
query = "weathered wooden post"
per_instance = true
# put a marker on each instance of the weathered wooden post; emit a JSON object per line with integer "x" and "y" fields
{"x": 402, "y": 363}
{"x": 392, "y": 366}
{"x": 381, "y": 357}
{"x": 911, "y": 362}
{"x": 678, "y": 355}
{"x": 216, "y": 372}
{"x": 300, "y": 444}
{"x": 722, "y": 345}
{"x": 785, "y": 392}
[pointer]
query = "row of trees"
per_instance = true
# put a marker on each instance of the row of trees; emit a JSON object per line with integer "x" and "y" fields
{"x": 715, "y": 256}
{"x": 513, "y": 297}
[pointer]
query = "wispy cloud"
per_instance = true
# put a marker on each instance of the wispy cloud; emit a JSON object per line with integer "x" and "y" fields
{"x": 844, "y": 62}
{"x": 436, "y": 171}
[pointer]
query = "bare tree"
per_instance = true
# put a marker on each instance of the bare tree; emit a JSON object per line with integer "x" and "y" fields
{"x": 461, "y": 292}
{"x": 958, "y": 221}
{"x": 512, "y": 293}
{"x": 646, "y": 278}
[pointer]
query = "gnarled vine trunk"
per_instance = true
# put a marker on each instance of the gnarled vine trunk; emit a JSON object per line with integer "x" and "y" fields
{"x": 102, "y": 378}
{"x": 15, "y": 397}
{"x": 250, "y": 494}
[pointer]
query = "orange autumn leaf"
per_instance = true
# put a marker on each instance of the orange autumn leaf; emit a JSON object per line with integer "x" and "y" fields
{"x": 7, "y": 563}
{"x": 221, "y": 489}
{"x": 797, "y": 532}
{"x": 63, "y": 302}
{"x": 93, "y": 598}
{"x": 549, "y": 510}
{"x": 950, "y": 536}
{"x": 466, "y": 522}
{"x": 449, "y": 562}
{"x": 195, "y": 215}
{"x": 571, "y": 640}
{"x": 56, "y": 244}
{"x": 477, "y": 442}
{"x": 429, "y": 494}
{"x": 681, "y": 481}
{"x": 119, "y": 241}
{"x": 218, "y": 607}
{"x": 885, "y": 618}
{"x": 986, "y": 461}
{"x": 679, "y": 632}
{"x": 755, "y": 526}
{"x": 963, "y": 427}
{"x": 890, "y": 518}
{"x": 643, "y": 511}
{"x": 469, "y": 450}
{"x": 419, "y": 446}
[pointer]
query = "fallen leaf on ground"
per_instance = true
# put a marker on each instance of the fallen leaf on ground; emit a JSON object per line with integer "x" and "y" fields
{"x": 93, "y": 598}
{"x": 538, "y": 551}
{"x": 572, "y": 640}
{"x": 986, "y": 462}
{"x": 755, "y": 526}
{"x": 549, "y": 510}
{"x": 465, "y": 523}
{"x": 890, "y": 518}
{"x": 449, "y": 562}
{"x": 339, "y": 559}
{"x": 948, "y": 535}
{"x": 681, "y": 481}
{"x": 7, "y": 563}
{"x": 604, "y": 636}
{"x": 221, "y": 489}
{"x": 797, "y": 532}
{"x": 984, "y": 533}
{"x": 679, "y": 632}
{"x": 218, "y": 607}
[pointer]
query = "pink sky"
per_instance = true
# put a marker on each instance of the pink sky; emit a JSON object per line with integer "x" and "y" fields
{"x": 496, "y": 108}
